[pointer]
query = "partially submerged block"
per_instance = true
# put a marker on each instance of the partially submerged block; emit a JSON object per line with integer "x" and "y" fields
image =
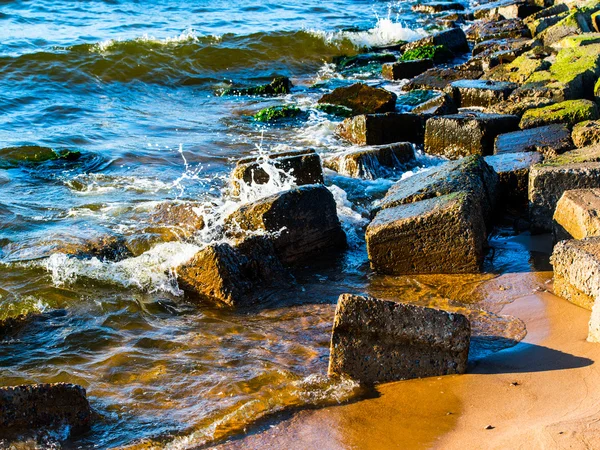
{"x": 303, "y": 222}
{"x": 443, "y": 234}
{"x": 376, "y": 341}
{"x": 471, "y": 174}
{"x": 513, "y": 174}
{"x": 44, "y": 406}
{"x": 466, "y": 133}
{"x": 374, "y": 162}
{"x": 569, "y": 112}
{"x": 362, "y": 99}
{"x": 577, "y": 214}
{"x": 380, "y": 129}
{"x": 482, "y": 93}
{"x": 233, "y": 276}
{"x": 548, "y": 181}
{"x": 551, "y": 140}
{"x": 405, "y": 69}
{"x": 303, "y": 165}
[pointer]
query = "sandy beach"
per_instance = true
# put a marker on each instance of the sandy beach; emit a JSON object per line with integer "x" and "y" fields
{"x": 539, "y": 394}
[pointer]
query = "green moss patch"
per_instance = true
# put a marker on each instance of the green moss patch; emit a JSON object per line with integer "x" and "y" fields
{"x": 278, "y": 113}
{"x": 334, "y": 110}
{"x": 569, "y": 113}
{"x": 279, "y": 86}
{"x": 435, "y": 52}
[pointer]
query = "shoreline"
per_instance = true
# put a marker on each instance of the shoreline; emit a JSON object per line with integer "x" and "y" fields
{"x": 552, "y": 366}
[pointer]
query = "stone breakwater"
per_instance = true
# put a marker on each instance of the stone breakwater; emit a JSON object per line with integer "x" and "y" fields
{"x": 519, "y": 124}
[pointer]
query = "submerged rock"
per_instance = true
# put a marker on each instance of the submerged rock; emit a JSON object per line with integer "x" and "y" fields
{"x": 279, "y": 86}
{"x": 303, "y": 222}
{"x": 466, "y": 133}
{"x": 43, "y": 406}
{"x": 577, "y": 214}
{"x": 372, "y": 163}
{"x": 234, "y": 276}
{"x": 586, "y": 133}
{"x": 444, "y": 234}
{"x": 570, "y": 113}
{"x": 278, "y": 113}
{"x": 513, "y": 175}
{"x": 378, "y": 341}
{"x": 380, "y": 129}
{"x": 185, "y": 216}
{"x": 426, "y": 102}
{"x": 303, "y": 165}
{"x": 482, "y": 93}
{"x": 334, "y": 110}
{"x": 33, "y": 154}
{"x": 362, "y": 99}
{"x": 548, "y": 181}
{"x": 12, "y": 325}
{"x": 406, "y": 69}
{"x": 550, "y": 140}
{"x": 471, "y": 174}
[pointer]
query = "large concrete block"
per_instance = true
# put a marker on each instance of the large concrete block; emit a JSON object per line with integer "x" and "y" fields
{"x": 362, "y": 99}
{"x": 453, "y": 39}
{"x": 43, "y": 406}
{"x": 513, "y": 174}
{"x": 303, "y": 165}
{"x": 471, "y": 174}
{"x": 402, "y": 70}
{"x": 439, "y": 235}
{"x": 577, "y": 169}
{"x": 376, "y": 341}
{"x": 466, "y": 133}
{"x": 303, "y": 222}
{"x": 551, "y": 140}
{"x": 372, "y": 163}
{"x": 482, "y": 93}
{"x": 380, "y": 129}
{"x": 577, "y": 214}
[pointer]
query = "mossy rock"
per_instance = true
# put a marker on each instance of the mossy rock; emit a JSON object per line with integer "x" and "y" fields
{"x": 436, "y": 52}
{"x": 33, "y": 154}
{"x": 279, "y": 86}
{"x": 517, "y": 71}
{"x": 278, "y": 113}
{"x": 570, "y": 113}
{"x": 334, "y": 110}
{"x": 579, "y": 40}
{"x": 363, "y": 60}
{"x": 597, "y": 91}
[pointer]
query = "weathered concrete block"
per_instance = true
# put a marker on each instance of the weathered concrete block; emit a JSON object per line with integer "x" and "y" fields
{"x": 545, "y": 18}
{"x": 586, "y": 133}
{"x": 31, "y": 407}
{"x": 380, "y": 129}
{"x": 471, "y": 174}
{"x": 372, "y": 163}
{"x": 378, "y": 341}
{"x": 466, "y": 133}
{"x": 518, "y": 106}
{"x": 303, "y": 165}
{"x": 453, "y": 39}
{"x": 577, "y": 214}
{"x": 577, "y": 169}
{"x": 402, "y": 70}
{"x": 362, "y": 99}
{"x": 497, "y": 29}
{"x": 303, "y": 220}
{"x": 513, "y": 175}
{"x": 551, "y": 140}
{"x": 443, "y": 234}
{"x": 438, "y": 78}
{"x": 479, "y": 92}
{"x": 570, "y": 113}
{"x": 233, "y": 276}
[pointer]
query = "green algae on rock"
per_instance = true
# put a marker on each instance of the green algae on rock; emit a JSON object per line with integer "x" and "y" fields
{"x": 279, "y": 86}
{"x": 438, "y": 53}
{"x": 569, "y": 113}
{"x": 32, "y": 154}
{"x": 362, "y": 99}
{"x": 334, "y": 110}
{"x": 278, "y": 113}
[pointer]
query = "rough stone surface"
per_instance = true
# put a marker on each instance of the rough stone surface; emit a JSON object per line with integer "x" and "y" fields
{"x": 483, "y": 93}
{"x": 372, "y": 163}
{"x": 506, "y": 9}
{"x": 279, "y": 86}
{"x": 362, "y": 99}
{"x": 576, "y": 22}
{"x": 466, "y": 133}
{"x": 453, "y": 39}
{"x": 497, "y": 29}
{"x": 438, "y": 78}
{"x": 545, "y": 18}
{"x": 378, "y": 341}
{"x": 405, "y": 69}
{"x": 586, "y": 133}
{"x": 577, "y": 169}
{"x": 233, "y": 276}
{"x": 471, "y": 174}
{"x": 513, "y": 175}
{"x": 30, "y": 407}
{"x": 517, "y": 71}
{"x": 444, "y": 234}
{"x": 185, "y": 216}
{"x": 105, "y": 248}
{"x": 380, "y": 129}
{"x": 436, "y": 7}
{"x": 304, "y": 222}
{"x": 569, "y": 113}
{"x": 303, "y": 165}
{"x": 517, "y": 107}
{"x": 577, "y": 214}
{"x": 550, "y": 140}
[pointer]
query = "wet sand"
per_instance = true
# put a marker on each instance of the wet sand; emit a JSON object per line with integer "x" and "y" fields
{"x": 542, "y": 393}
